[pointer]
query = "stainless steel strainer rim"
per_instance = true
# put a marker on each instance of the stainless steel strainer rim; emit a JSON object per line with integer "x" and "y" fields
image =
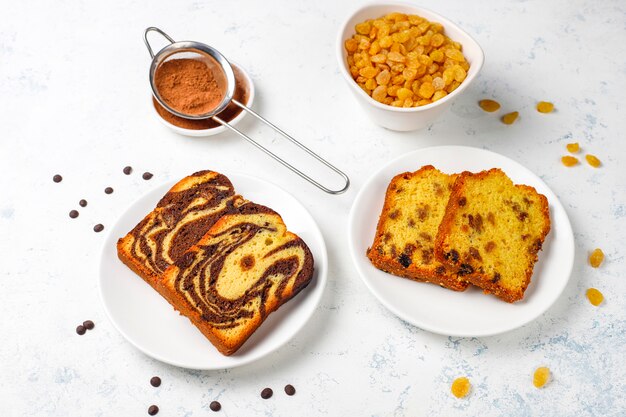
{"x": 190, "y": 46}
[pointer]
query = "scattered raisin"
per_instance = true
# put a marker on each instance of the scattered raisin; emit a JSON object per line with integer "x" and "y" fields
{"x": 489, "y": 105}
{"x": 596, "y": 258}
{"x": 569, "y": 161}
{"x": 594, "y": 296}
{"x": 522, "y": 216}
{"x": 427, "y": 256}
{"x": 440, "y": 270}
{"x": 593, "y": 161}
{"x": 394, "y": 214}
{"x": 510, "y": 118}
{"x": 453, "y": 255}
{"x": 541, "y": 376}
{"x": 545, "y": 107}
{"x": 496, "y": 277}
{"x": 474, "y": 253}
{"x": 573, "y": 147}
{"x": 490, "y": 246}
{"x": 491, "y": 218}
{"x": 462, "y": 201}
{"x": 460, "y": 387}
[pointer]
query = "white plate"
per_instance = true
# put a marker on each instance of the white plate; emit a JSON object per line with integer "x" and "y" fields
{"x": 148, "y": 321}
{"x": 470, "y": 313}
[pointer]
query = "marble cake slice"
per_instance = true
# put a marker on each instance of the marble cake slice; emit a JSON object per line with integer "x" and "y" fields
{"x": 404, "y": 242}
{"x": 244, "y": 268}
{"x": 178, "y": 221}
{"x": 492, "y": 231}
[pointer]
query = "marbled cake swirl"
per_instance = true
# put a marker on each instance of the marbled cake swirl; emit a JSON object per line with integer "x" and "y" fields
{"x": 180, "y": 219}
{"x": 244, "y": 268}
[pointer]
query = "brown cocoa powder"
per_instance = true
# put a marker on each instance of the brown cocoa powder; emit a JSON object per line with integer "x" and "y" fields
{"x": 241, "y": 94}
{"x": 188, "y": 86}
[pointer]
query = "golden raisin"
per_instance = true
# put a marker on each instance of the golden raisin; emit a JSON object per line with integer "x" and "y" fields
{"x": 573, "y": 147}
{"x": 510, "y": 118}
{"x": 569, "y": 161}
{"x": 541, "y": 376}
{"x": 545, "y": 107}
{"x": 487, "y": 105}
{"x": 593, "y": 161}
{"x": 594, "y": 296}
{"x": 460, "y": 387}
{"x": 596, "y": 258}
{"x": 408, "y": 53}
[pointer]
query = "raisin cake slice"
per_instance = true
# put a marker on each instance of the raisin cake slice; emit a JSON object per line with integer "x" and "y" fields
{"x": 179, "y": 220}
{"x": 404, "y": 242}
{"x": 244, "y": 268}
{"x": 492, "y": 231}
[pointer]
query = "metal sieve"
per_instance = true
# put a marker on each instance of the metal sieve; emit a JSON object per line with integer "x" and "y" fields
{"x": 225, "y": 78}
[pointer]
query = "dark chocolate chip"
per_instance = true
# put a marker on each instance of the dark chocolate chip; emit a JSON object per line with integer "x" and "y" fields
{"x": 215, "y": 406}
{"x": 98, "y": 228}
{"x": 88, "y": 324}
{"x": 127, "y": 170}
{"x": 155, "y": 381}
{"x": 465, "y": 269}
{"x": 57, "y": 178}
{"x": 82, "y": 203}
{"x": 74, "y": 214}
{"x": 153, "y": 409}
{"x": 146, "y": 176}
{"x": 405, "y": 260}
{"x": 108, "y": 190}
{"x": 80, "y": 330}
{"x": 289, "y": 389}
{"x": 267, "y": 393}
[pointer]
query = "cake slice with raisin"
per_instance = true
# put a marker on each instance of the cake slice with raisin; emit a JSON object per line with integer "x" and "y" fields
{"x": 244, "y": 268}
{"x": 491, "y": 232}
{"x": 415, "y": 203}
{"x": 179, "y": 220}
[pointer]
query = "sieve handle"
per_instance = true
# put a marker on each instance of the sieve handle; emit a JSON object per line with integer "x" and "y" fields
{"x": 153, "y": 29}
{"x": 282, "y": 161}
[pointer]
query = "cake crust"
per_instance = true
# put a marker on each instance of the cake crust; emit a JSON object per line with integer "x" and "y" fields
{"x": 492, "y": 231}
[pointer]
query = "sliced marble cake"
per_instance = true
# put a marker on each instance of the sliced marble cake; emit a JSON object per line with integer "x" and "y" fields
{"x": 415, "y": 203}
{"x": 244, "y": 268}
{"x": 179, "y": 220}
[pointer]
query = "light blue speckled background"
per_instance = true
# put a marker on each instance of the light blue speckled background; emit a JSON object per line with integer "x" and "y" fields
{"x": 75, "y": 101}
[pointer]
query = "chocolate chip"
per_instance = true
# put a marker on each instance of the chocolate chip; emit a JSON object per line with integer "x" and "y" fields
{"x": 127, "y": 170}
{"x": 146, "y": 176}
{"x": 108, "y": 190}
{"x": 155, "y": 381}
{"x": 74, "y": 214}
{"x": 215, "y": 406}
{"x": 82, "y": 203}
{"x": 98, "y": 228}
{"x": 267, "y": 393}
{"x": 405, "y": 260}
{"x": 88, "y": 324}
{"x": 80, "y": 330}
{"x": 289, "y": 389}
{"x": 153, "y": 409}
{"x": 57, "y": 178}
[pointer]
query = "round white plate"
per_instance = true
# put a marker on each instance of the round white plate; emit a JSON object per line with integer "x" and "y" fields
{"x": 470, "y": 313}
{"x": 148, "y": 321}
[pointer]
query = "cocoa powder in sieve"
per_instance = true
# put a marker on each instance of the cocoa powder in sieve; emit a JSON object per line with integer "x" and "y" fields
{"x": 188, "y": 86}
{"x": 229, "y": 113}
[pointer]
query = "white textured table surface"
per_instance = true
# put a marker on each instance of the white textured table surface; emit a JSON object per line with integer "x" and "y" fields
{"x": 75, "y": 101}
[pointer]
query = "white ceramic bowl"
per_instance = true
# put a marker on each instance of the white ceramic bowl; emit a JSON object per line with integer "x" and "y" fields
{"x": 218, "y": 129}
{"x": 405, "y": 119}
